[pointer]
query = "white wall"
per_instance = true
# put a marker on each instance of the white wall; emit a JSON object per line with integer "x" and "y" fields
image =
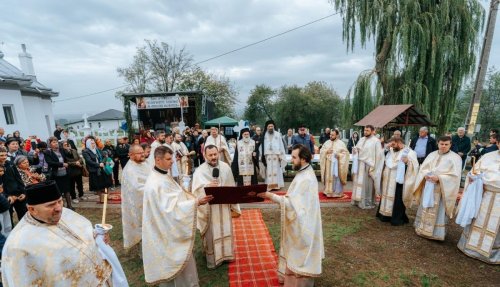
{"x": 13, "y": 97}
{"x": 105, "y": 125}
{"x": 37, "y": 111}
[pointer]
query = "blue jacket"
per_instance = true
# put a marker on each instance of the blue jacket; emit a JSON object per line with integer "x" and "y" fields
{"x": 306, "y": 140}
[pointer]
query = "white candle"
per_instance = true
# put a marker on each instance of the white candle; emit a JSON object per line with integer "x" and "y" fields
{"x": 104, "y": 207}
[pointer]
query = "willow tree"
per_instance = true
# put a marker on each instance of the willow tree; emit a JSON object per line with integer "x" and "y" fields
{"x": 425, "y": 49}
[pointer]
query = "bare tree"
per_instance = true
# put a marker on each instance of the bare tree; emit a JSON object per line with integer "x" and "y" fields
{"x": 137, "y": 75}
{"x": 167, "y": 66}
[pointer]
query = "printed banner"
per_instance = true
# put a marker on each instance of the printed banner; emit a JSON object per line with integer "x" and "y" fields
{"x": 168, "y": 102}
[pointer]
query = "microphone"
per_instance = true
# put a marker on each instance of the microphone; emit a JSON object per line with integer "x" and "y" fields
{"x": 215, "y": 174}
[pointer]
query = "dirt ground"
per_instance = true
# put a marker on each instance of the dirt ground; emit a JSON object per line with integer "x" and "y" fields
{"x": 362, "y": 251}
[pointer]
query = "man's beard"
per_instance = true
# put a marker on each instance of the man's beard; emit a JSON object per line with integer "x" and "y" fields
{"x": 246, "y": 140}
{"x": 213, "y": 162}
{"x": 271, "y": 131}
{"x": 396, "y": 149}
{"x": 296, "y": 167}
{"x": 178, "y": 142}
{"x": 161, "y": 141}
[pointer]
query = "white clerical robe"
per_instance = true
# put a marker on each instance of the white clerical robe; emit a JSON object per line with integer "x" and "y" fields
{"x": 334, "y": 170}
{"x": 274, "y": 153}
{"x": 366, "y": 182}
{"x": 221, "y": 144}
{"x": 133, "y": 181}
{"x": 168, "y": 232}
{"x": 481, "y": 238}
{"x": 174, "y": 170}
{"x": 389, "y": 177}
{"x": 301, "y": 248}
{"x": 215, "y": 221}
{"x": 64, "y": 254}
{"x": 183, "y": 163}
{"x": 430, "y": 222}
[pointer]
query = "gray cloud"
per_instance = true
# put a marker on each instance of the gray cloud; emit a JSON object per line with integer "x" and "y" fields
{"x": 77, "y": 45}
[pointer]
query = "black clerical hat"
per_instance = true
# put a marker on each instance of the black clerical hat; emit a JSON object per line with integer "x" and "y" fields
{"x": 243, "y": 130}
{"x": 42, "y": 192}
{"x": 270, "y": 122}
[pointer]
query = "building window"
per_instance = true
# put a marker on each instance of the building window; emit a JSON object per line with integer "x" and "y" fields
{"x": 8, "y": 111}
{"x": 77, "y": 127}
{"x": 90, "y": 124}
{"x": 99, "y": 124}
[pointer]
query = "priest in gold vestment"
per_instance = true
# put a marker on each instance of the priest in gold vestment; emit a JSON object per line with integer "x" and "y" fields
{"x": 481, "y": 238}
{"x": 398, "y": 181}
{"x": 436, "y": 189}
{"x": 182, "y": 155}
{"x": 334, "y": 162}
{"x": 52, "y": 246}
{"x": 220, "y": 142}
{"x": 301, "y": 248}
{"x": 169, "y": 227}
{"x": 134, "y": 177}
{"x": 368, "y": 174}
{"x": 215, "y": 221}
{"x": 243, "y": 165}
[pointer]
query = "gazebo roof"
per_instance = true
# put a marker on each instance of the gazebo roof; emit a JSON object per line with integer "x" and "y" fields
{"x": 395, "y": 115}
{"x": 223, "y": 121}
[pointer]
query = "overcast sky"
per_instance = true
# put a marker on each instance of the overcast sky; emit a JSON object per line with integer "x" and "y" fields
{"x": 77, "y": 45}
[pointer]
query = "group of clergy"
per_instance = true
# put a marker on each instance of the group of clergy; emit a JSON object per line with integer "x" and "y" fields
{"x": 401, "y": 182}
{"x": 162, "y": 212}
{"x": 162, "y": 209}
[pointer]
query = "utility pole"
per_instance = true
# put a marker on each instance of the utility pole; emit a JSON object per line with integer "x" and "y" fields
{"x": 470, "y": 122}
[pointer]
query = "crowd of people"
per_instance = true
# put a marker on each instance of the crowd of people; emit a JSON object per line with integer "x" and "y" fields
{"x": 167, "y": 172}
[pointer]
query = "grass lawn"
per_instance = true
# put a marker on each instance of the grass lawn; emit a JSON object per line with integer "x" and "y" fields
{"x": 360, "y": 251}
{"x": 132, "y": 263}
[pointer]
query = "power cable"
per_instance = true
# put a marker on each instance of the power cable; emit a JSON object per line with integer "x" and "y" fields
{"x": 214, "y": 57}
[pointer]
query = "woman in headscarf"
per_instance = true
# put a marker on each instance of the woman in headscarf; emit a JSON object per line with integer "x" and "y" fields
{"x": 98, "y": 180}
{"x": 28, "y": 173}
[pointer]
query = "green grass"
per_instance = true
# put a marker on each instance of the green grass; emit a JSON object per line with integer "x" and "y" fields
{"x": 356, "y": 247}
{"x": 132, "y": 263}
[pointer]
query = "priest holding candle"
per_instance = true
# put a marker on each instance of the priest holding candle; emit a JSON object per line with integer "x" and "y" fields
{"x": 54, "y": 246}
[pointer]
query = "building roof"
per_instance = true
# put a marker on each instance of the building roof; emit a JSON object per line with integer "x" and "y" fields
{"x": 107, "y": 115}
{"x": 395, "y": 115}
{"x": 11, "y": 75}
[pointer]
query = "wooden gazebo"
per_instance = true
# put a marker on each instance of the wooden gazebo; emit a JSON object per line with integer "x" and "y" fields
{"x": 389, "y": 116}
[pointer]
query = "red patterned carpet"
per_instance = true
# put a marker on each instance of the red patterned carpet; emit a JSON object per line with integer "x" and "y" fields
{"x": 255, "y": 261}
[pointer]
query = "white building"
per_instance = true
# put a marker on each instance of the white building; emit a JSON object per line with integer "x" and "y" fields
{"x": 109, "y": 120}
{"x": 26, "y": 103}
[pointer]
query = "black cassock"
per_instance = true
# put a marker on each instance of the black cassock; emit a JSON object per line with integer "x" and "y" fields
{"x": 398, "y": 210}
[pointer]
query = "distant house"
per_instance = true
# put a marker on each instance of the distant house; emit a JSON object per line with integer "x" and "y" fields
{"x": 105, "y": 121}
{"x": 26, "y": 103}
